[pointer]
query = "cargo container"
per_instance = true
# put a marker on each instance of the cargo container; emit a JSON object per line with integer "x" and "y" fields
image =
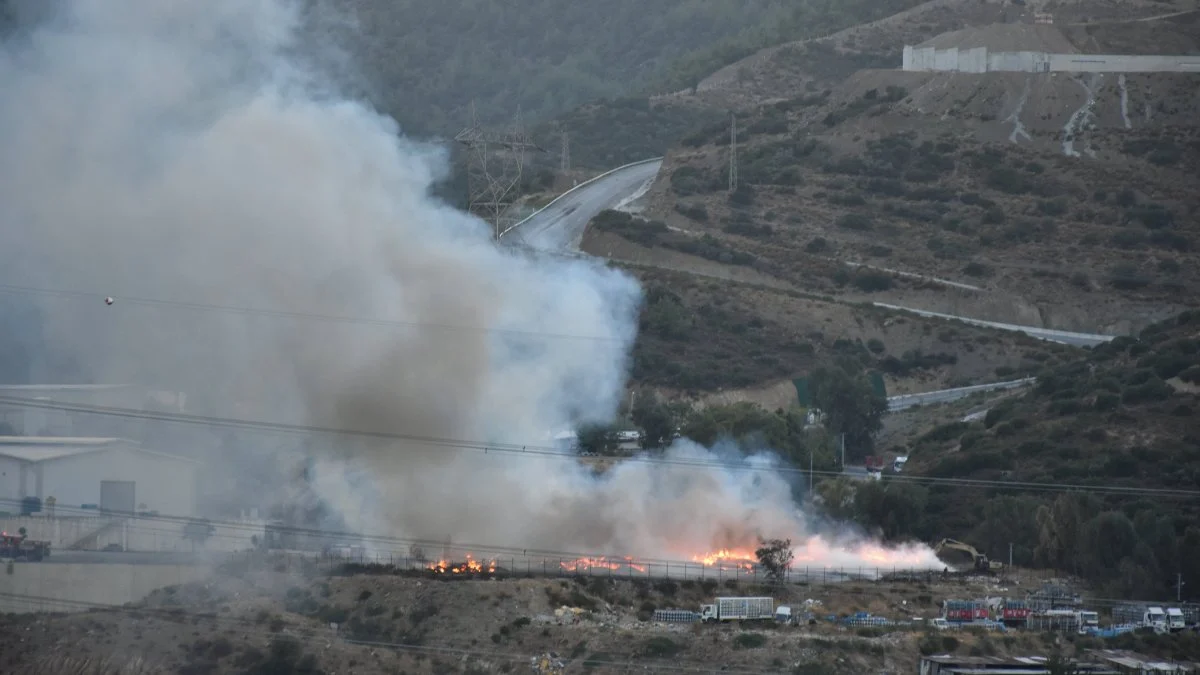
{"x": 739, "y": 609}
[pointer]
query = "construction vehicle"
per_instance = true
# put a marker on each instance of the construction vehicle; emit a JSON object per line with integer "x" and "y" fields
{"x": 982, "y": 564}
{"x": 738, "y": 609}
{"x": 20, "y": 547}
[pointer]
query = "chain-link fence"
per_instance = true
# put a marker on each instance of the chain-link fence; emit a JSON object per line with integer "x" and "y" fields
{"x": 547, "y": 566}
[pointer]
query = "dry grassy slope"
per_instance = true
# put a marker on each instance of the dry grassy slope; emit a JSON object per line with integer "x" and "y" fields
{"x": 1018, "y": 210}
{"x": 228, "y": 624}
{"x": 739, "y": 340}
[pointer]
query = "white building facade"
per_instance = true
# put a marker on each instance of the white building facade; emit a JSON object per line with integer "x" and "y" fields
{"x": 980, "y": 60}
{"x": 94, "y": 475}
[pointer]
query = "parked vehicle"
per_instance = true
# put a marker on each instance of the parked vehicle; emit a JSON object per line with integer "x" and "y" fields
{"x": 1175, "y": 622}
{"x": 738, "y": 609}
{"x": 964, "y": 611}
{"x": 1141, "y": 616}
{"x": 1087, "y": 620}
{"x": 20, "y": 547}
{"x": 1014, "y": 612}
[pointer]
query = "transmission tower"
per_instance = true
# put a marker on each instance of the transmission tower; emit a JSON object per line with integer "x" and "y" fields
{"x": 733, "y": 167}
{"x": 495, "y": 163}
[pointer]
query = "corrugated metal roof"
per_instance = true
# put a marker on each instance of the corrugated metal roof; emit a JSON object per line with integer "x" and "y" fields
{"x": 46, "y": 448}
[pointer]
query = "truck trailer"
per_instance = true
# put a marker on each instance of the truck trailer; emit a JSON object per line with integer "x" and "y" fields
{"x": 739, "y": 609}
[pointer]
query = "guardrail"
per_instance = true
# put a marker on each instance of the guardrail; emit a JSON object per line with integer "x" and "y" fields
{"x": 589, "y": 181}
{"x": 1049, "y": 334}
{"x": 908, "y": 400}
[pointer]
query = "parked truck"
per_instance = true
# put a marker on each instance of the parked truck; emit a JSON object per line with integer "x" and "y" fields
{"x": 1088, "y": 621}
{"x": 1014, "y": 612}
{"x": 738, "y": 609}
{"x": 20, "y": 547}
{"x": 1141, "y": 616}
{"x": 964, "y": 611}
{"x": 1175, "y": 621}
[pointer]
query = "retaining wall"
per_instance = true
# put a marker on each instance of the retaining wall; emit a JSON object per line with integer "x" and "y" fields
{"x": 69, "y": 587}
{"x": 980, "y": 60}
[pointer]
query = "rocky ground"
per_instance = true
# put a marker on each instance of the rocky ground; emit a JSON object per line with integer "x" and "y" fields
{"x": 258, "y": 620}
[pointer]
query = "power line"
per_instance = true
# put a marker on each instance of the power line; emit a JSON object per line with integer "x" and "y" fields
{"x": 280, "y": 314}
{"x": 556, "y": 453}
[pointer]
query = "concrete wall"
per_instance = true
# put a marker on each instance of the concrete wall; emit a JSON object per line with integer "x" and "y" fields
{"x": 133, "y": 534}
{"x": 54, "y": 586}
{"x": 979, "y": 60}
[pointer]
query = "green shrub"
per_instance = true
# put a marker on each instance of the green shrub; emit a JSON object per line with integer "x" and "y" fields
{"x": 1106, "y": 401}
{"x": 749, "y": 640}
{"x": 855, "y": 221}
{"x": 660, "y": 647}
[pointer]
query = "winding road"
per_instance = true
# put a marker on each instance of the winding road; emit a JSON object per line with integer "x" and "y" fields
{"x": 559, "y": 226}
{"x": 1051, "y": 335}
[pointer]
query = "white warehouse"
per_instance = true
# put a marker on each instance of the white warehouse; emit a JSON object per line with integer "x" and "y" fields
{"x": 111, "y": 475}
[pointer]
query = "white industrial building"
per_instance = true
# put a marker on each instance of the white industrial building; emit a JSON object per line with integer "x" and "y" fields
{"x": 981, "y": 60}
{"x": 105, "y": 474}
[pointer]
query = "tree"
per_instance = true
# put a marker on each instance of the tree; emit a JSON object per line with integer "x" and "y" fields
{"x": 197, "y": 531}
{"x": 656, "y": 419}
{"x": 599, "y": 439}
{"x": 775, "y": 556}
{"x": 850, "y": 406}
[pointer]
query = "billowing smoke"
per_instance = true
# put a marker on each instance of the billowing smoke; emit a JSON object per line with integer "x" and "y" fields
{"x": 182, "y": 151}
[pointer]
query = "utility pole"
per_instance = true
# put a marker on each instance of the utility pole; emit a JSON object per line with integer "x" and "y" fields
{"x": 810, "y": 473}
{"x": 843, "y": 440}
{"x": 564, "y": 161}
{"x": 1178, "y": 587}
{"x": 733, "y": 169}
{"x": 1010, "y": 555}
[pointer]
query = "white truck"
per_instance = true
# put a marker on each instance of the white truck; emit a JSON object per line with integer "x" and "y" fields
{"x": 738, "y": 609}
{"x": 1087, "y": 620}
{"x": 1156, "y": 619}
{"x": 1175, "y": 622}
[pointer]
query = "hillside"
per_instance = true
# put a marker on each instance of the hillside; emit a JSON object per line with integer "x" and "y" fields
{"x": 257, "y": 622}
{"x": 425, "y": 62}
{"x": 1122, "y": 416}
{"x": 949, "y": 192}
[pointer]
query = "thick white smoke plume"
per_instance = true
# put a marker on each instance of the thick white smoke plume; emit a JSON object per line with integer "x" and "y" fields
{"x": 178, "y": 150}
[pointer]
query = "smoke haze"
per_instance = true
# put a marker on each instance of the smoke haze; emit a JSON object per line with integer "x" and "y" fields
{"x": 185, "y": 151}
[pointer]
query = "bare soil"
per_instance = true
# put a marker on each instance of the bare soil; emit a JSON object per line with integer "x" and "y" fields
{"x": 264, "y": 621}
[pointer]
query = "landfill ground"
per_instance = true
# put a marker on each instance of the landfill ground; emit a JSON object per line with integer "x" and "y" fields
{"x": 259, "y": 618}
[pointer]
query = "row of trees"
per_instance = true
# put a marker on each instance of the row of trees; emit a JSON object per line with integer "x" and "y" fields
{"x": 841, "y": 393}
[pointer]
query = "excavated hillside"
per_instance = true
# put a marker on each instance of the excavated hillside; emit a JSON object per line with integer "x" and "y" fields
{"x": 1059, "y": 200}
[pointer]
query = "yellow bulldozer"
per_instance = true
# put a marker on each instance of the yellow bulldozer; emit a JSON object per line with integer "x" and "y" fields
{"x": 982, "y": 564}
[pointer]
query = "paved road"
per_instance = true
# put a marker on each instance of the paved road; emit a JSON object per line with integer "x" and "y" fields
{"x": 946, "y": 395}
{"x": 560, "y": 226}
{"x": 1065, "y": 337}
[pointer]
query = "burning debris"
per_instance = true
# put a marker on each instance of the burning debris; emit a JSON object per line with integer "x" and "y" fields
{"x": 470, "y": 567}
{"x": 728, "y": 559}
{"x": 602, "y": 562}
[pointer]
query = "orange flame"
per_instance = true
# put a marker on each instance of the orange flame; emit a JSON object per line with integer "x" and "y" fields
{"x": 471, "y": 566}
{"x": 727, "y": 559}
